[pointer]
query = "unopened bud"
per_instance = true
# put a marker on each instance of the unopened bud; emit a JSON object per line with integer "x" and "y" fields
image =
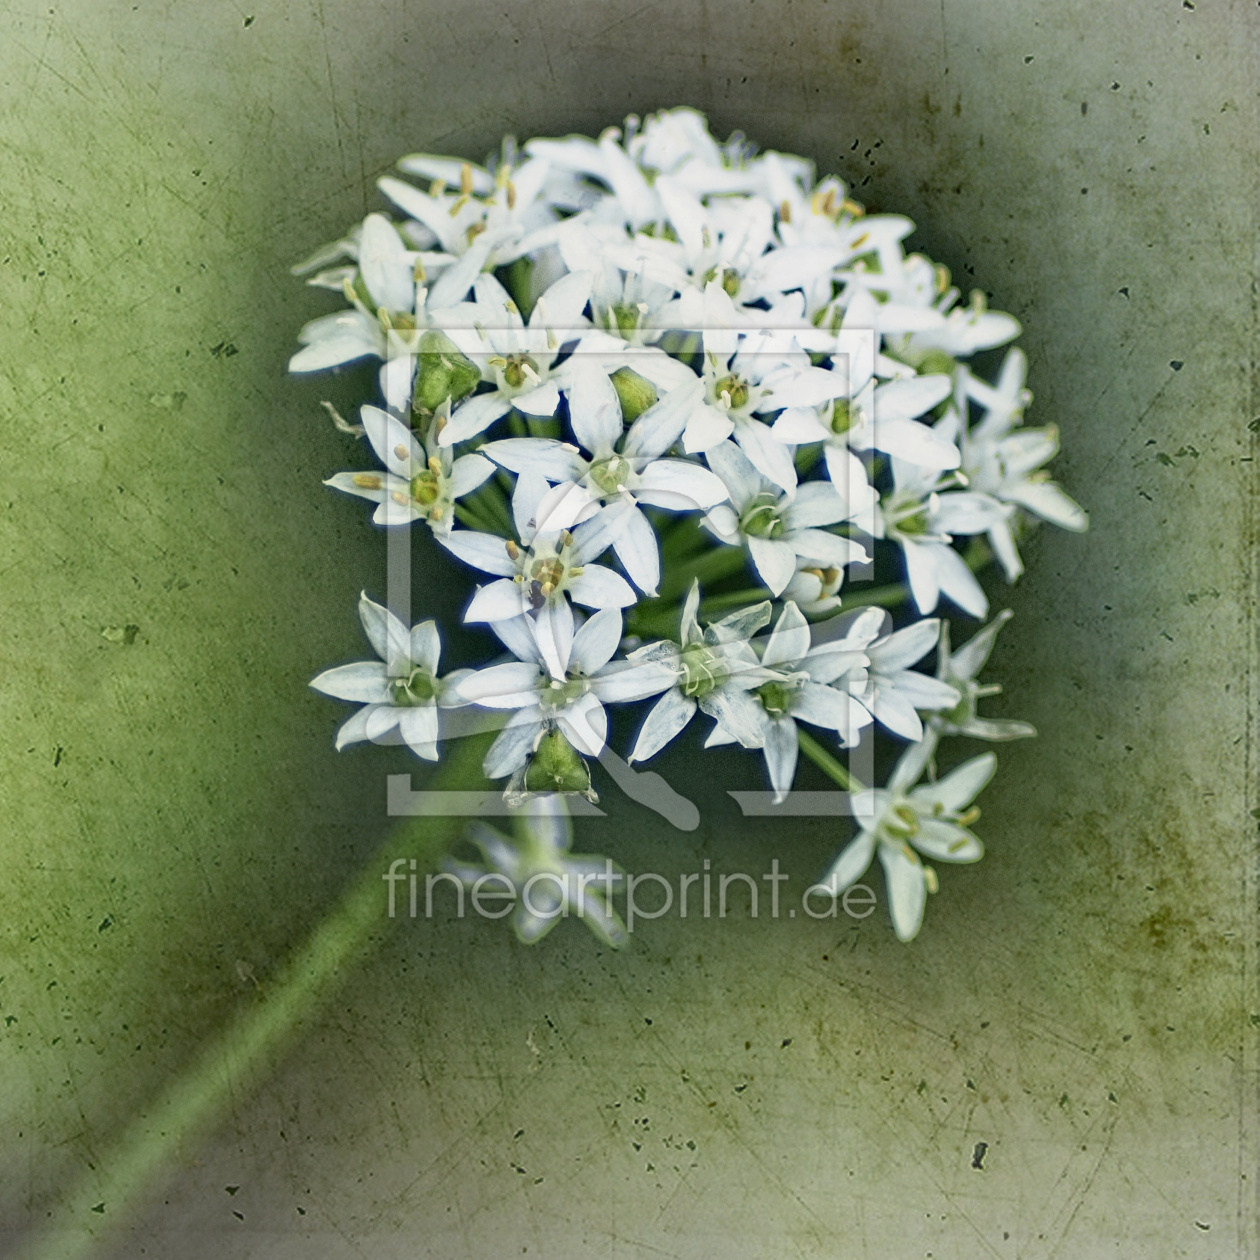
{"x": 442, "y": 372}
{"x": 635, "y": 393}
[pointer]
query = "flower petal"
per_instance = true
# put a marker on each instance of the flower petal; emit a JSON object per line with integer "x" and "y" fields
{"x": 668, "y": 717}
{"x": 387, "y": 635}
{"x": 544, "y": 457}
{"x": 852, "y": 863}
{"x": 511, "y": 686}
{"x": 781, "y": 749}
{"x": 553, "y": 628}
{"x": 907, "y": 889}
{"x": 639, "y": 552}
{"x": 959, "y": 787}
{"x": 660, "y": 427}
{"x": 622, "y": 682}
{"x": 426, "y": 646}
{"x": 775, "y": 562}
{"x": 595, "y": 410}
{"x": 364, "y": 681}
{"x": 597, "y": 640}
{"x": 789, "y": 641}
{"x": 766, "y": 453}
{"x": 585, "y": 724}
{"x": 467, "y": 473}
{"x": 511, "y": 749}
{"x": 474, "y": 415}
{"x": 419, "y": 729}
{"x": 680, "y": 486}
{"x": 487, "y": 552}
{"x": 496, "y": 602}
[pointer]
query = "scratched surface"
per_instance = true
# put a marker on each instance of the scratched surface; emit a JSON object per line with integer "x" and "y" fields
{"x": 1082, "y": 1003}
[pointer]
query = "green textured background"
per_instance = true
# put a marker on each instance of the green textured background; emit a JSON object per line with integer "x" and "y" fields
{"x": 175, "y": 821}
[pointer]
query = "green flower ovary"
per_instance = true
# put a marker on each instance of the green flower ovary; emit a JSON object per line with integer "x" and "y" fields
{"x": 561, "y": 694}
{"x": 761, "y": 517}
{"x": 418, "y": 687}
{"x": 514, "y": 372}
{"x": 610, "y": 474}
{"x": 426, "y": 487}
{"x": 735, "y": 388}
{"x": 701, "y": 670}
{"x": 776, "y": 698}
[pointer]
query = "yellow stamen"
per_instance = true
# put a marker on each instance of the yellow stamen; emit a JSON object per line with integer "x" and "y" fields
{"x": 398, "y": 497}
{"x": 514, "y": 552}
{"x": 511, "y": 195}
{"x": 965, "y": 820}
{"x": 785, "y": 211}
{"x": 465, "y": 179}
{"x": 367, "y": 481}
{"x": 401, "y": 451}
{"x": 437, "y": 188}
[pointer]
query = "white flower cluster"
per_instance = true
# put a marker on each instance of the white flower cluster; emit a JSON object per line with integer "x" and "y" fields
{"x": 616, "y": 371}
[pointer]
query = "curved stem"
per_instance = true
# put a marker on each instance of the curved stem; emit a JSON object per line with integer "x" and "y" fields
{"x": 237, "y": 1057}
{"x": 827, "y": 763}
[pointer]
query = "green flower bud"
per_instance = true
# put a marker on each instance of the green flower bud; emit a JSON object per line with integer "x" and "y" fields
{"x": 841, "y": 416}
{"x": 441, "y": 372}
{"x": 557, "y": 767}
{"x": 635, "y": 392}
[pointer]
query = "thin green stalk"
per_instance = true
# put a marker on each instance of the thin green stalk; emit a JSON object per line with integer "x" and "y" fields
{"x": 492, "y": 503}
{"x": 473, "y": 519}
{"x": 731, "y": 599}
{"x": 236, "y": 1059}
{"x": 708, "y": 567}
{"x": 826, "y": 762}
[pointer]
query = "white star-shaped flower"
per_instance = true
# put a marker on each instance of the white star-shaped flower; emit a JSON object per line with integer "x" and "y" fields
{"x": 619, "y": 467}
{"x": 561, "y": 679}
{"x": 415, "y": 486}
{"x": 901, "y": 821}
{"x": 547, "y": 879}
{"x": 777, "y": 528}
{"x": 402, "y": 690}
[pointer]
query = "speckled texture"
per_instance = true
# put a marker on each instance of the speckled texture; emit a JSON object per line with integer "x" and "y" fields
{"x": 175, "y": 821}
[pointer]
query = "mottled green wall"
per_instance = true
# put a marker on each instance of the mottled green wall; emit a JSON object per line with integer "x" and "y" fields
{"x": 175, "y": 821}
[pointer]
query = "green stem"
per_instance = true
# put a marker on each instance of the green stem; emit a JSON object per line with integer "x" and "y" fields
{"x": 826, "y": 762}
{"x": 238, "y": 1057}
{"x": 491, "y": 501}
{"x": 731, "y": 599}
{"x": 707, "y": 567}
{"x": 468, "y": 516}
